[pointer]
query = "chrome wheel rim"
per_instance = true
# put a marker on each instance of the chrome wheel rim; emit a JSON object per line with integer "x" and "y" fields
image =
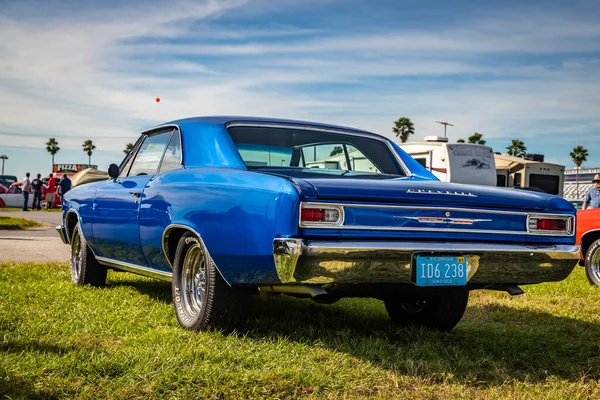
{"x": 193, "y": 276}
{"x": 76, "y": 250}
{"x": 595, "y": 265}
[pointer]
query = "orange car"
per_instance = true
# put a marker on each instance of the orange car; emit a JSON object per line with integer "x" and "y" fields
{"x": 588, "y": 236}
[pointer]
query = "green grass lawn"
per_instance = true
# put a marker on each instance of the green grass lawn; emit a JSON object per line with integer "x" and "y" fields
{"x": 13, "y": 223}
{"x": 122, "y": 341}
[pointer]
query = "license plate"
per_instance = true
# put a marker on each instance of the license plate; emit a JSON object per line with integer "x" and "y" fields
{"x": 441, "y": 270}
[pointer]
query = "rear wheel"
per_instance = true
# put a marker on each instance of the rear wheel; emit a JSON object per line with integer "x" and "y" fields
{"x": 441, "y": 311}
{"x": 201, "y": 297}
{"x": 592, "y": 263}
{"x": 85, "y": 269}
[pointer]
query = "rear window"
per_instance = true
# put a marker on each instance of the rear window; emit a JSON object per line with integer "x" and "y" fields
{"x": 273, "y": 147}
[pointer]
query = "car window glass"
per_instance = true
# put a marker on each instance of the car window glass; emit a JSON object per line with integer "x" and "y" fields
{"x": 172, "y": 158}
{"x": 337, "y": 156}
{"x": 344, "y": 155}
{"x": 149, "y": 155}
{"x": 128, "y": 160}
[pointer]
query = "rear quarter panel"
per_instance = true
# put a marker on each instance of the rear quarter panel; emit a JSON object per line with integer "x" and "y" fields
{"x": 237, "y": 213}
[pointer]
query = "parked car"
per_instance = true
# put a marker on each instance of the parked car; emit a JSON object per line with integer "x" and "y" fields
{"x": 13, "y": 196}
{"x": 7, "y": 180}
{"x": 225, "y": 207}
{"x": 588, "y": 236}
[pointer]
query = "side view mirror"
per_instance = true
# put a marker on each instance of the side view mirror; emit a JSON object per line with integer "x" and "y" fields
{"x": 113, "y": 171}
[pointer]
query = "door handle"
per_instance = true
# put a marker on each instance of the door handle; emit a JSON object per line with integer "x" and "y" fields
{"x": 135, "y": 194}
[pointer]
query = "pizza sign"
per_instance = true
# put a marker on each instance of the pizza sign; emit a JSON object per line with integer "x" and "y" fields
{"x": 65, "y": 168}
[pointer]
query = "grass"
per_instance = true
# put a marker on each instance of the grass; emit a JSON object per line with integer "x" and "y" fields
{"x": 12, "y": 223}
{"x": 56, "y": 209}
{"x": 122, "y": 341}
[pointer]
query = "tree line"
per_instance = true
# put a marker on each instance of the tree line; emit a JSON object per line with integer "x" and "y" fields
{"x": 404, "y": 128}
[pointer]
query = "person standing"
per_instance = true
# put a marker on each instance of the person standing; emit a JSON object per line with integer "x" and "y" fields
{"x": 64, "y": 185}
{"x": 592, "y": 198}
{"x": 50, "y": 191}
{"x": 26, "y": 189}
{"x": 36, "y": 186}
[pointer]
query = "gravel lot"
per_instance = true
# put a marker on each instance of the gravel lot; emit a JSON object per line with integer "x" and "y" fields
{"x": 33, "y": 245}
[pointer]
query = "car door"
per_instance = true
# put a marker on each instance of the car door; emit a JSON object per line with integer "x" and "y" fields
{"x": 116, "y": 206}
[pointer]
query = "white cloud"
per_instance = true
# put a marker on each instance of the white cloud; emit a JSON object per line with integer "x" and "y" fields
{"x": 96, "y": 74}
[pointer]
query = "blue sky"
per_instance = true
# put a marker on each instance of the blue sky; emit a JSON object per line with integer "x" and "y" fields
{"x": 79, "y": 70}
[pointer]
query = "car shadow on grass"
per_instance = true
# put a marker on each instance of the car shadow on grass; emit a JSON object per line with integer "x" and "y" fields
{"x": 493, "y": 343}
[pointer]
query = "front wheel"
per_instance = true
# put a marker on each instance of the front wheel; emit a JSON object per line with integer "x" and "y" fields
{"x": 441, "y": 311}
{"x": 592, "y": 263}
{"x": 85, "y": 269}
{"x": 201, "y": 297}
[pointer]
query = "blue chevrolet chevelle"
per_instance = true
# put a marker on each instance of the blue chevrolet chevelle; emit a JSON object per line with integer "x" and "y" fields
{"x": 227, "y": 207}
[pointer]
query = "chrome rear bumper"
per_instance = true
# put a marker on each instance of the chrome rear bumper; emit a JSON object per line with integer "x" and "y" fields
{"x": 316, "y": 262}
{"x": 62, "y": 232}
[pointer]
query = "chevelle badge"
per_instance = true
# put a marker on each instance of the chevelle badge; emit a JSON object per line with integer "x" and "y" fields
{"x": 449, "y": 192}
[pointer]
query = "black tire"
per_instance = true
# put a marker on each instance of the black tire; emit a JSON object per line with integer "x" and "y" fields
{"x": 85, "y": 269}
{"x": 440, "y": 312}
{"x": 592, "y": 263}
{"x": 201, "y": 297}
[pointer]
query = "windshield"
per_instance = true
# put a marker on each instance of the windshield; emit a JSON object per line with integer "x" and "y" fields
{"x": 7, "y": 180}
{"x": 268, "y": 147}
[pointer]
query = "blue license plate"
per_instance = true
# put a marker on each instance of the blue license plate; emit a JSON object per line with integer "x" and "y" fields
{"x": 441, "y": 270}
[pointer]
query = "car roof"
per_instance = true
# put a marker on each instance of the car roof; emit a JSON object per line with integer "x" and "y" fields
{"x": 226, "y": 119}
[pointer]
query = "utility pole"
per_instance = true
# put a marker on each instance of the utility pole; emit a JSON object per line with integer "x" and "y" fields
{"x": 445, "y": 125}
{"x": 3, "y": 157}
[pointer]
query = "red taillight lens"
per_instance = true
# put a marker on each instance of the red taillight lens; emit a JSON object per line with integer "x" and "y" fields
{"x": 326, "y": 215}
{"x": 552, "y": 224}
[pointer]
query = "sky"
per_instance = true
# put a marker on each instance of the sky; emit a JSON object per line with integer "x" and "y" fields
{"x": 78, "y": 70}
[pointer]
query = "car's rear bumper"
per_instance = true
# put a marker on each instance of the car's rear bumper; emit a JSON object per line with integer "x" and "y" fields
{"x": 62, "y": 232}
{"x": 319, "y": 262}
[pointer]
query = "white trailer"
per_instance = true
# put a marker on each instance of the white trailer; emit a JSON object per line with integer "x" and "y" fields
{"x": 528, "y": 174}
{"x": 454, "y": 162}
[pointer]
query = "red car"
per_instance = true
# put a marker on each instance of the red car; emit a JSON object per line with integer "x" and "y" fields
{"x": 588, "y": 236}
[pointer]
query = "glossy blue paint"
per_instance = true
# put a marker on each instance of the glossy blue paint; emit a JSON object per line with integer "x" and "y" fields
{"x": 238, "y": 212}
{"x": 115, "y": 226}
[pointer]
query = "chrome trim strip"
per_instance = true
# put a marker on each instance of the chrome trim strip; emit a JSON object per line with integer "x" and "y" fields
{"x": 159, "y": 127}
{"x": 435, "y": 229}
{"x": 312, "y": 205}
{"x": 315, "y": 248}
{"x": 136, "y": 269}
{"x": 165, "y": 237}
{"x": 434, "y": 208}
{"x": 283, "y": 125}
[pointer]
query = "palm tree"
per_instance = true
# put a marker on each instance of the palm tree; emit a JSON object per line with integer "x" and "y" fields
{"x": 460, "y": 141}
{"x": 128, "y": 148}
{"x": 336, "y": 150}
{"x": 52, "y": 148}
{"x": 517, "y": 148}
{"x": 403, "y": 128}
{"x": 476, "y": 138}
{"x": 88, "y": 147}
{"x": 578, "y": 155}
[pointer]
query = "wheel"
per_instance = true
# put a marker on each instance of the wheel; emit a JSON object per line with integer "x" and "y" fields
{"x": 85, "y": 269}
{"x": 201, "y": 297}
{"x": 440, "y": 312}
{"x": 592, "y": 263}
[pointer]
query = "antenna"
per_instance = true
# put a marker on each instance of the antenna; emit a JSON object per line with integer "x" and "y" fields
{"x": 445, "y": 125}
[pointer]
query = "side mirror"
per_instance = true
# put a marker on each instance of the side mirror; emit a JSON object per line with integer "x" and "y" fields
{"x": 113, "y": 171}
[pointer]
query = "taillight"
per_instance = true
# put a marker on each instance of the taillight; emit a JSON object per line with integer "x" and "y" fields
{"x": 312, "y": 215}
{"x": 559, "y": 225}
